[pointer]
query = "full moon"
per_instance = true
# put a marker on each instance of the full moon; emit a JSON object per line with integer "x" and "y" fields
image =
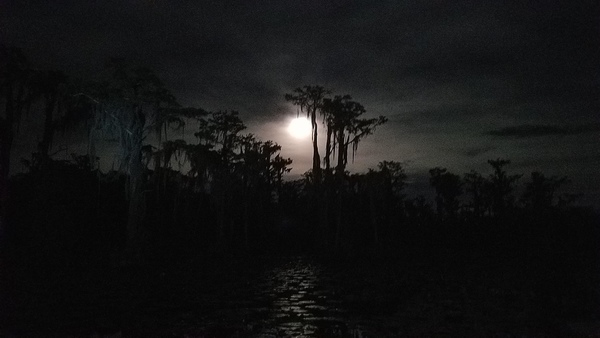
{"x": 300, "y": 127}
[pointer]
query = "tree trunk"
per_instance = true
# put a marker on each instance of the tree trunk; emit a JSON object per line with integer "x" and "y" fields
{"x": 6, "y": 140}
{"x": 5, "y": 146}
{"x": 221, "y": 216}
{"x": 134, "y": 220}
{"x": 316, "y": 156}
{"x": 136, "y": 208}
{"x": 339, "y": 173}
{"x": 323, "y": 214}
{"x": 44, "y": 146}
{"x": 137, "y": 201}
{"x": 373, "y": 212}
{"x": 338, "y": 220}
{"x": 246, "y": 221}
{"x": 328, "y": 148}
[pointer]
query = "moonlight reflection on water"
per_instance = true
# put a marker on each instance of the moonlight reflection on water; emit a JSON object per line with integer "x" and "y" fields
{"x": 302, "y": 302}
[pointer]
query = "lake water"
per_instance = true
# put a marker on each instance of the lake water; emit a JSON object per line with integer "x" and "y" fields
{"x": 274, "y": 297}
{"x": 292, "y": 297}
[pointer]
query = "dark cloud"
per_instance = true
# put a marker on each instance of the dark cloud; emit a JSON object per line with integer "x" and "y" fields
{"x": 221, "y": 53}
{"x": 472, "y": 152}
{"x": 529, "y": 130}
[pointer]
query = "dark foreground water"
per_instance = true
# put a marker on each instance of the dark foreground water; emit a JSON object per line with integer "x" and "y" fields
{"x": 281, "y": 297}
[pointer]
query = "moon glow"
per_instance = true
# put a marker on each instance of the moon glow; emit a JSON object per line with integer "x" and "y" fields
{"x": 300, "y": 127}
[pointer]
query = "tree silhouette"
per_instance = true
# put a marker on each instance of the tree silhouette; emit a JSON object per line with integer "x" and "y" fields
{"x": 213, "y": 159}
{"x": 501, "y": 186}
{"x": 128, "y": 103}
{"x": 346, "y": 127}
{"x": 259, "y": 165}
{"x": 280, "y": 166}
{"x": 540, "y": 192}
{"x": 222, "y": 130}
{"x": 476, "y": 186}
{"x": 51, "y": 85}
{"x": 447, "y": 188}
{"x": 17, "y": 93}
{"x": 203, "y": 160}
{"x": 309, "y": 100}
{"x": 342, "y": 116}
{"x": 384, "y": 188}
{"x": 249, "y": 168}
{"x": 418, "y": 210}
{"x": 171, "y": 117}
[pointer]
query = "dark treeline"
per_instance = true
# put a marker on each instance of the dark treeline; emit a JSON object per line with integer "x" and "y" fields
{"x": 225, "y": 192}
{"x": 225, "y": 198}
{"x": 226, "y": 189}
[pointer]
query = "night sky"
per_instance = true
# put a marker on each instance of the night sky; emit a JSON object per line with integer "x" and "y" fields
{"x": 460, "y": 81}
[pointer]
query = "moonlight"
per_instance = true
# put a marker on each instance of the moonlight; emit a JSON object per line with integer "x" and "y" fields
{"x": 299, "y": 127}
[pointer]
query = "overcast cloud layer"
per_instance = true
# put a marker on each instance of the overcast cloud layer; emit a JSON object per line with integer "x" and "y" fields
{"x": 461, "y": 82}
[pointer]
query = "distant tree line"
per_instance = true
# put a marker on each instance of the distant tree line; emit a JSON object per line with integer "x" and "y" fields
{"x": 226, "y": 191}
{"x": 235, "y": 175}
